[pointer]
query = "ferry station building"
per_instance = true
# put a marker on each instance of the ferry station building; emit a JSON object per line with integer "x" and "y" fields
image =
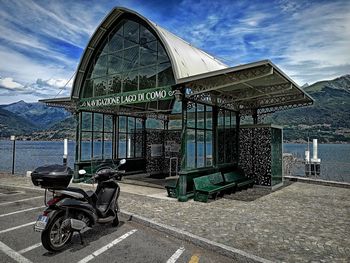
{"x": 144, "y": 94}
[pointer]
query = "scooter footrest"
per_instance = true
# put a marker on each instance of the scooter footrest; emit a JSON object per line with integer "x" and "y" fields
{"x": 105, "y": 219}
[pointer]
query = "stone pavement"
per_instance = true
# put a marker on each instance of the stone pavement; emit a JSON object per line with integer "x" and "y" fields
{"x": 298, "y": 223}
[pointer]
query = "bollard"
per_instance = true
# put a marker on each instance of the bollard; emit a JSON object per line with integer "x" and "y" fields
{"x": 65, "y": 152}
{"x": 13, "y": 138}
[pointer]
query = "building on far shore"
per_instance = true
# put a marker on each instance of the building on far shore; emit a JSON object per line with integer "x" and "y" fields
{"x": 144, "y": 94}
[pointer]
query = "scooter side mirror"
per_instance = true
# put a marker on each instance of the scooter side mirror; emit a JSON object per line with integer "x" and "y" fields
{"x": 82, "y": 172}
{"x": 122, "y": 161}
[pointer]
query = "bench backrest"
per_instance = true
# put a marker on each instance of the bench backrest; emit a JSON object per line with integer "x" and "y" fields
{"x": 216, "y": 178}
{"x": 201, "y": 182}
{"x": 233, "y": 177}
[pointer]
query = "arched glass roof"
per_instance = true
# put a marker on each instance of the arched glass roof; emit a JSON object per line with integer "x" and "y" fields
{"x": 185, "y": 59}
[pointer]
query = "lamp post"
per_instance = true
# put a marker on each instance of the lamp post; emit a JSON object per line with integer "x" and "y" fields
{"x": 13, "y": 138}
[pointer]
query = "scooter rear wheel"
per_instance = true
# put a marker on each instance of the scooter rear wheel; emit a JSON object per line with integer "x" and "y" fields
{"x": 56, "y": 236}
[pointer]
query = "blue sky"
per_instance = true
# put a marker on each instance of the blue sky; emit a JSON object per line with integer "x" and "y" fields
{"x": 41, "y": 41}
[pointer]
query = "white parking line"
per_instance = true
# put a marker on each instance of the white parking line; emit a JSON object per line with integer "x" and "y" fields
{"x": 106, "y": 247}
{"x": 21, "y": 211}
{"x": 22, "y": 200}
{"x": 13, "y": 254}
{"x": 176, "y": 255}
{"x": 16, "y": 227}
{"x": 29, "y": 248}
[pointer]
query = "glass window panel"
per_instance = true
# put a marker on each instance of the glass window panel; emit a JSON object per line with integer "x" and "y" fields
{"x": 85, "y": 146}
{"x": 200, "y": 116}
{"x": 165, "y": 75}
{"x": 97, "y": 145}
{"x": 122, "y": 123}
{"x": 154, "y": 124}
{"x": 200, "y": 148}
{"x": 177, "y": 107}
{"x": 227, "y": 119}
{"x": 228, "y": 145}
{"x": 221, "y": 144}
{"x": 145, "y": 35}
{"x": 139, "y": 124}
{"x": 131, "y": 32}
{"x": 175, "y": 124}
{"x": 162, "y": 55}
{"x": 131, "y": 124}
{"x": 191, "y": 115}
{"x": 114, "y": 84}
{"x": 131, "y": 58}
{"x": 138, "y": 145}
{"x": 100, "y": 68}
{"x": 98, "y": 122}
{"x": 88, "y": 88}
{"x": 147, "y": 56}
{"x": 209, "y": 148}
{"x": 209, "y": 118}
{"x": 120, "y": 29}
{"x": 221, "y": 119}
{"x": 122, "y": 145}
{"x": 148, "y": 77}
{"x": 116, "y": 43}
{"x": 233, "y": 120}
{"x": 86, "y": 120}
{"x": 100, "y": 87}
{"x": 190, "y": 150}
{"x": 107, "y": 145}
{"x": 131, "y": 145}
{"x": 131, "y": 80}
{"x": 152, "y": 45}
{"x": 115, "y": 63}
{"x": 108, "y": 127}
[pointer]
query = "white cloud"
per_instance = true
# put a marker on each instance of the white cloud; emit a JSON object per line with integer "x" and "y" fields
{"x": 10, "y": 84}
{"x": 308, "y": 40}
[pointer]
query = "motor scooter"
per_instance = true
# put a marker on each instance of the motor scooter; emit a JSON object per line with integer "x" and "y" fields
{"x": 72, "y": 209}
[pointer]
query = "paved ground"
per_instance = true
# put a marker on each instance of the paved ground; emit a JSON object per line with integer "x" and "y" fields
{"x": 298, "y": 223}
{"x": 19, "y": 243}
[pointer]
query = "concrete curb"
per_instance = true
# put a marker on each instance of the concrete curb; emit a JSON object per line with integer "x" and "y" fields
{"x": 236, "y": 254}
{"x": 316, "y": 181}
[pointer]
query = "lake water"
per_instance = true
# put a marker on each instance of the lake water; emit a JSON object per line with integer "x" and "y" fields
{"x": 335, "y": 158}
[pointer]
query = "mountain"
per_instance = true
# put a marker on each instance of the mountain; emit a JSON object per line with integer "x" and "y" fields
{"x": 12, "y": 124}
{"x": 328, "y": 119}
{"x": 37, "y": 113}
{"x": 58, "y": 131}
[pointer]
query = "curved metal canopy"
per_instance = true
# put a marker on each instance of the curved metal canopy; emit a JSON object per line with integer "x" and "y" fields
{"x": 260, "y": 86}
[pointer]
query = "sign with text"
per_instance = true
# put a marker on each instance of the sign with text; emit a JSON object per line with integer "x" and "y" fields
{"x": 126, "y": 98}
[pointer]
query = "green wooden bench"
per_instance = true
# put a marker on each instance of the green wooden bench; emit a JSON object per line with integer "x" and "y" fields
{"x": 173, "y": 185}
{"x": 204, "y": 188}
{"x": 238, "y": 178}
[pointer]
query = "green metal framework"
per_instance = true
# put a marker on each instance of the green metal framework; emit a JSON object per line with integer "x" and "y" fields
{"x": 133, "y": 71}
{"x": 105, "y": 136}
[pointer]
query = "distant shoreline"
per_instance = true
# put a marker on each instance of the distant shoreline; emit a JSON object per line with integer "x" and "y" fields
{"x": 299, "y": 141}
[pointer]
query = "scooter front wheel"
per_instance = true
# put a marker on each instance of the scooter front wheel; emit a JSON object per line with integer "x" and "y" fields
{"x": 56, "y": 235}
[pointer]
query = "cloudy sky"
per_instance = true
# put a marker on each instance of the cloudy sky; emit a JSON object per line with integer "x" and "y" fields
{"x": 41, "y": 41}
